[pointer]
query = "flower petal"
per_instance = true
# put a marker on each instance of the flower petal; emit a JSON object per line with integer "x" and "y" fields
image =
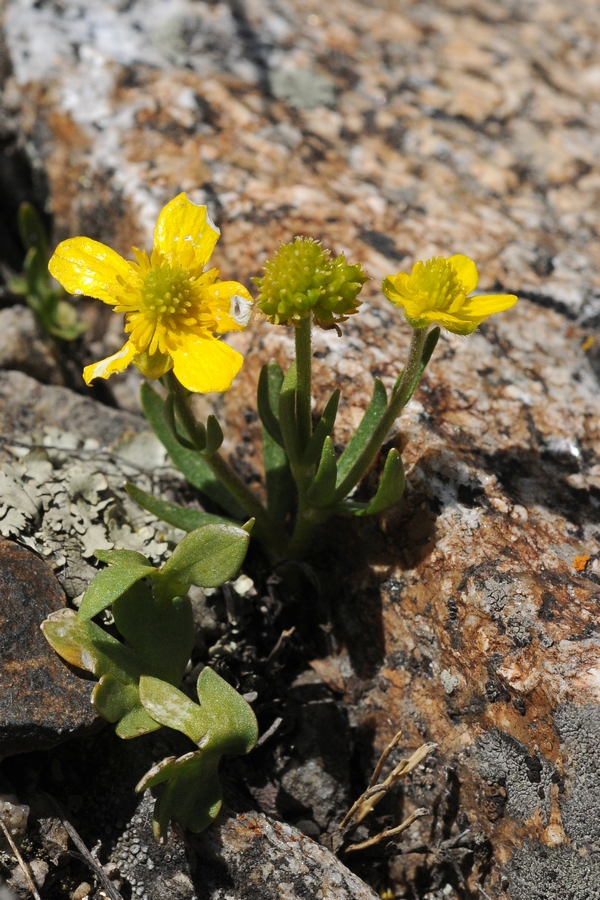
{"x": 183, "y": 225}
{"x": 466, "y": 270}
{"x": 487, "y": 304}
{"x": 230, "y": 304}
{"x": 84, "y": 266}
{"x": 111, "y": 365}
{"x": 205, "y": 364}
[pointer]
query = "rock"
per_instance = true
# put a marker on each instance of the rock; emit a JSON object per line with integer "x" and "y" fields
{"x": 65, "y": 459}
{"x": 41, "y": 702}
{"x": 22, "y": 346}
{"x": 269, "y": 860}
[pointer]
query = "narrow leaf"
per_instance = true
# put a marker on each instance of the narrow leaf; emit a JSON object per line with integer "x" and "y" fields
{"x": 323, "y": 430}
{"x": 389, "y": 492}
{"x": 207, "y": 556}
{"x": 190, "y": 463}
{"x": 122, "y": 558}
{"x": 281, "y": 490}
{"x": 362, "y": 435}
{"x": 322, "y": 489}
{"x": 287, "y": 416}
{"x": 178, "y": 516}
{"x": 169, "y": 416}
{"x": 268, "y": 393}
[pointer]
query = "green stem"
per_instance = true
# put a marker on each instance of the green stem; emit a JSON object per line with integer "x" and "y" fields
{"x": 396, "y": 404}
{"x": 304, "y": 380}
{"x": 226, "y": 475}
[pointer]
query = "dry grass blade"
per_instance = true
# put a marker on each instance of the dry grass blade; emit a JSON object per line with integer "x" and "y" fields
{"x": 23, "y": 865}
{"x": 106, "y": 883}
{"x": 376, "y": 791}
{"x": 389, "y": 832}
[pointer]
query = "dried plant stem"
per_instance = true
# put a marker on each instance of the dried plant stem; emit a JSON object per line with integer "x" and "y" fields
{"x": 23, "y": 865}
{"x": 389, "y": 832}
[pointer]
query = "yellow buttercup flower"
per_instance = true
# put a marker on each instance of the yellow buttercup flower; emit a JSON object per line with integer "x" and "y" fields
{"x": 172, "y": 307}
{"x": 436, "y": 291}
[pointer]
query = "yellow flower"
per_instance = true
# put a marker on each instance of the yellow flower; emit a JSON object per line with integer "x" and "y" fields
{"x": 436, "y": 291}
{"x": 172, "y": 307}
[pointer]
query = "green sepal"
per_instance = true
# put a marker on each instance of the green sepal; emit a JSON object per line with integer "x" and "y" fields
{"x": 389, "y": 492}
{"x": 363, "y": 433}
{"x": 214, "y": 436}
{"x": 178, "y": 516}
{"x": 287, "y": 416}
{"x": 111, "y": 583}
{"x": 323, "y": 429}
{"x": 206, "y": 557}
{"x": 223, "y": 723}
{"x": 190, "y": 463}
{"x": 428, "y": 348}
{"x": 322, "y": 490}
{"x": 268, "y": 394}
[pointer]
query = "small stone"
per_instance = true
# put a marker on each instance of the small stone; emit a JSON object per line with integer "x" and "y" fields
{"x": 81, "y": 892}
{"x": 41, "y": 701}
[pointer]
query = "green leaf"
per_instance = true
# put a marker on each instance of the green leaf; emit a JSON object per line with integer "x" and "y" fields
{"x": 172, "y": 708}
{"x": 389, "y": 492}
{"x": 207, "y": 556}
{"x": 428, "y": 348}
{"x": 135, "y": 723}
{"x": 161, "y": 632}
{"x": 178, "y": 516}
{"x": 214, "y": 436}
{"x": 287, "y": 416}
{"x": 268, "y": 393}
{"x": 190, "y": 463}
{"x": 322, "y": 489}
{"x": 281, "y": 489}
{"x": 362, "y": 435}
{"x": 87, "y": 646}
{"x": 122, "y": 558}
{"x": 109, "y": 584}
{"x": 323, "y": 430}
{"x": 188, "y": 790}
{"x": 169, "y": 416}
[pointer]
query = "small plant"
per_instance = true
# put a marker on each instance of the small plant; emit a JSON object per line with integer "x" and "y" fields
{"x": 139, "y": 678}
{"x": 173, "y": 310}
{"x": 56, "y": 315}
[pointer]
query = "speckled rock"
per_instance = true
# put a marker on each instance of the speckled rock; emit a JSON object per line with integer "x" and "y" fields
{"x": 41, "y": 702}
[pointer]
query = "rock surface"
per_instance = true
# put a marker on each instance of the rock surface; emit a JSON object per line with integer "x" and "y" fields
{"x": 41, "y": 701}
{"x": 469, "y": 614}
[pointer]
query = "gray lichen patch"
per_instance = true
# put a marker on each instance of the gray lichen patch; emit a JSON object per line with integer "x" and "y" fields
{"x": 579, "y": 730}
{"x": 536, "y": 872}
{"x": 64, "y": 497}
{"x": 526, "y": 776}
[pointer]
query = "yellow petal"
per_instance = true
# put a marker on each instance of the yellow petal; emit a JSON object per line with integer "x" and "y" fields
{"x": 111, "y": 365}
{"x": 487, "y": 304}
{"x": 205, "y": 364}
{"x": 181, "y": 225}
{"x": 466, "y": 270}
{"x": 230, "y": 304}
{"x": 84, "y": 266}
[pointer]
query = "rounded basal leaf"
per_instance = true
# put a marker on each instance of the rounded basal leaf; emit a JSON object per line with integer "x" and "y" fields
{"x": 207, "y": 556}
{"x": 230, "y": 721}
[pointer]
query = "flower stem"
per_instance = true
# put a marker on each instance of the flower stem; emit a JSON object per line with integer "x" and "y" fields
{"x": 304, "y": 380}
{"x": 396, "y": 404}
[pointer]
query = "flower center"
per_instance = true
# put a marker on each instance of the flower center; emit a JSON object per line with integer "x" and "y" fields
{"x": 166, "y": 292}
{"x": 436, "y": 283}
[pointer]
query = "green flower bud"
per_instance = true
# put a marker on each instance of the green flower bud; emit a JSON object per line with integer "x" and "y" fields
{"x": 301, "y": 278}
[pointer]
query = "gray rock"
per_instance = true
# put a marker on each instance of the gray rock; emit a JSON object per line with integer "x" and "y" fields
{"x": 24, "y": 348}
{"x": 41, "y": 702}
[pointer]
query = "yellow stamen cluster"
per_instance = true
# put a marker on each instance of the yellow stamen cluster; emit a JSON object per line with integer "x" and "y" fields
{"x": 435, "y": 283}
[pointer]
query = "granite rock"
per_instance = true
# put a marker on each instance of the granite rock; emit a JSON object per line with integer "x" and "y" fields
{"x": 41, "y": 701}
{"x": 23, "y": 347}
